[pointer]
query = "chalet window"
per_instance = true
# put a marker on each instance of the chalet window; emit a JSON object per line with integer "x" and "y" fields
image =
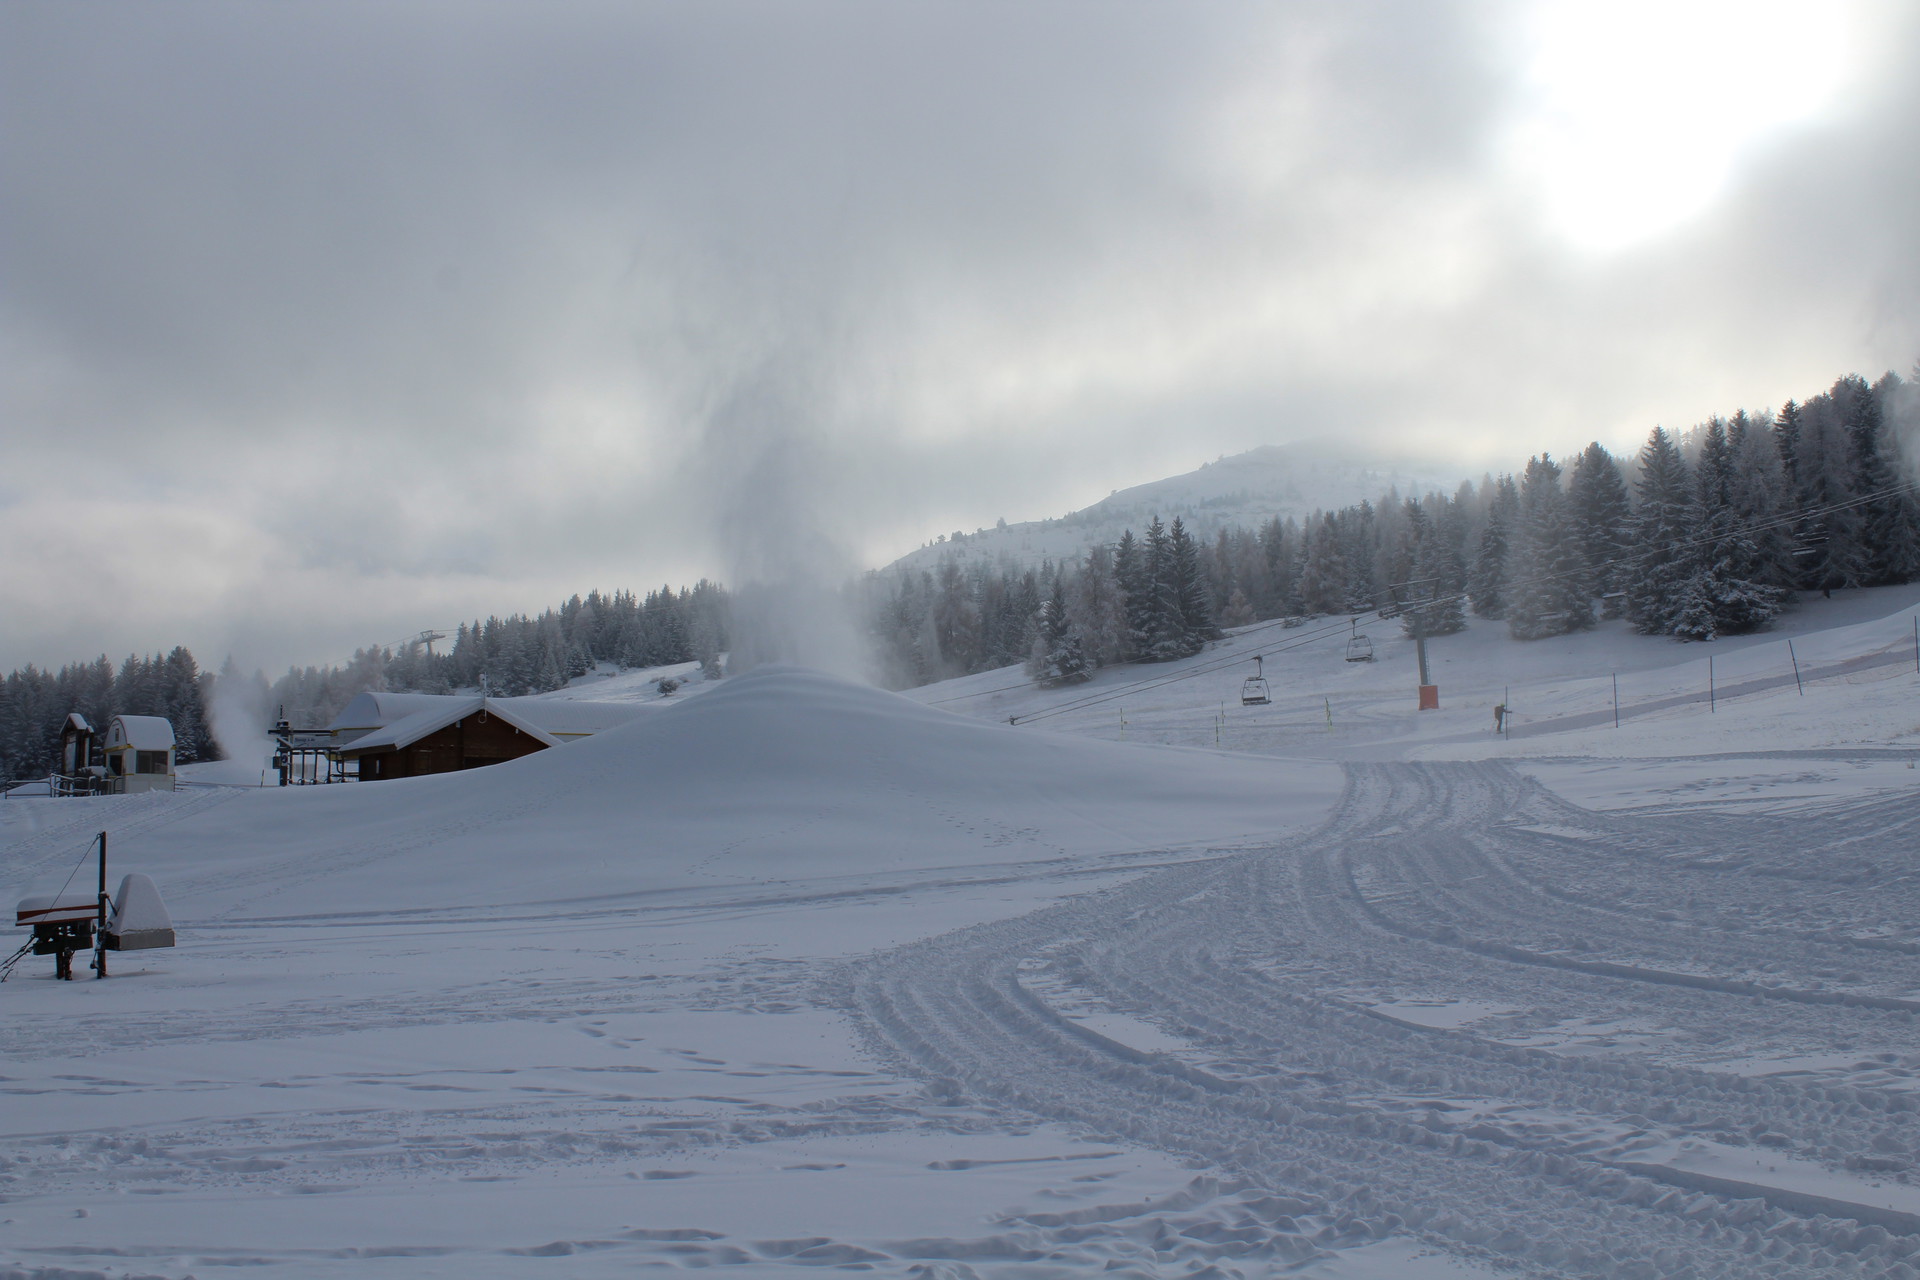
{"x": 150, "y": 762}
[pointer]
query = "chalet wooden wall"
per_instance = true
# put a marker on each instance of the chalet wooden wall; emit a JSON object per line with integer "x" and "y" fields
{"x": 479, "y": 739}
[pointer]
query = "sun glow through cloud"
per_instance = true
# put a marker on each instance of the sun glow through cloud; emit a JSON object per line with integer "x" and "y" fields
{"x": 1638, "y": 111}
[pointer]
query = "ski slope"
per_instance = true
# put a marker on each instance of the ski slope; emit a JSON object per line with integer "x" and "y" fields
{"x": 796, "y": 974}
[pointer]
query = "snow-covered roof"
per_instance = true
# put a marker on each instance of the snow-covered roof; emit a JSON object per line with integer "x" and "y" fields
{"x": 48, "y": 908}
{"x": 408, "y": 730}
{"x": 142, "y": 733}
{"x": 570, "y": 719}
{"x": 371, "y": 711}
{"x": 78, "y": 722}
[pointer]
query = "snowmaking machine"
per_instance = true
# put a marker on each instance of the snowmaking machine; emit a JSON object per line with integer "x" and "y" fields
{"x": 72, "y": 920}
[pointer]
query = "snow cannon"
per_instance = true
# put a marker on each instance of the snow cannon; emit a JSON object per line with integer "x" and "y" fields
{"x": 62, "y": 924}
{"x": 132, "y": 920}
{"x": 139, "y": 919}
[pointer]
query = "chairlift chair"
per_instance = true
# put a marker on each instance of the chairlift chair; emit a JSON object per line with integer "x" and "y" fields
{"x": 1359, "y": 648}
{"x": 1253, "y": 690}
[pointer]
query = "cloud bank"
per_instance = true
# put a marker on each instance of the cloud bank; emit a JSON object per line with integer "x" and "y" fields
{"x": 322, "y": 324}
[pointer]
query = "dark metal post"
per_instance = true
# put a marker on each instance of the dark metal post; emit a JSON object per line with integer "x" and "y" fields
{"x": 1616, "y": 699}
{"x": 1794, "y": 658}
{"x": 1711, "y": 705}
{"x": 100, "y": 927}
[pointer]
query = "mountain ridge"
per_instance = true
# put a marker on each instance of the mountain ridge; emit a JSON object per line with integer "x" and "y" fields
{"x": 1244, "y": 489}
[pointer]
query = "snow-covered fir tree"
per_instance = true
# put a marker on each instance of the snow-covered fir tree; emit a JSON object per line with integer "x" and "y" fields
{"x": 1487, "y": 579}
{"x": 1189, "y": 590}
{"x": 1323, "y": 573}
{"x": 1726, "y": 593}
{"x": 1434, "y": 605}
{"x": 1059, "y": 655}
{"x": 1098, "y": 608}
{"x": 1134, "y": 576}
{"x": 1666, "y": 517}
{"x": 1550, "y": 591}
{"x": 1888, "y": 511}
{"x": 1759, "y": 496}
{"x": 1602, "y": 514}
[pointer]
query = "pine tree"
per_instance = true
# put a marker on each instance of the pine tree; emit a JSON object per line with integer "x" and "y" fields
{"x": 1323, "y": 572}
{"x": 1759, "y": 495}
{"x": 1832, "y": 536}
{"x": 1278, "y": 541}
{"x": 1131, "y": 573}
{"x": 1166, "y": 636}
{"x": 1188, "y": 581}
{"x": 1487, "y": 580}
{"x": 1597, "y": 499}
{"x": 1551, "y": 590}
{"x": 1786, "y": 440}
{"x": 1434, "y": 599}
{"x": 1358, "y": 531}
{"x": 1098, "y": 609}
{"x": 955, "y": 623}
{"x": 1725, "y": 594}
{"x": 1665, "y": 519}
{"x": 1892, "y": 541}
{"x": 1059, "y": 656}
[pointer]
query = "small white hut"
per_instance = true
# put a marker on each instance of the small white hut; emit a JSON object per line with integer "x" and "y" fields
{"x": 139, "y": 753}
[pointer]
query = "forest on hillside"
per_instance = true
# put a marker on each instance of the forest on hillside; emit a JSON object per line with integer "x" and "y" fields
{"x": 1706, "y": 534}
{"x": 508, "y": 656}
{"x": 1703, "y": 534}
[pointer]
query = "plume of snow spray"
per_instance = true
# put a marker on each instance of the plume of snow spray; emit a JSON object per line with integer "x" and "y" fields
{"x": 239, "y": 717}
{"x": 781, "y": 527}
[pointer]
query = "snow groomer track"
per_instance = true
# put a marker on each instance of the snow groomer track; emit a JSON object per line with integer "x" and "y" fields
{"x": 1580, "y": 1044}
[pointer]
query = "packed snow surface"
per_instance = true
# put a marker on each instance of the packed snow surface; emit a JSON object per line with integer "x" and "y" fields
{"x": 796, "y": 974}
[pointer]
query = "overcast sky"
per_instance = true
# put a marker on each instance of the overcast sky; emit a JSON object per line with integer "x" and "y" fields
{"x": 321, "y": 323}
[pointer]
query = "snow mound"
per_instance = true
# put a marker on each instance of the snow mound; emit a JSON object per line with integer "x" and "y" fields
{"x": 777, "y": 776}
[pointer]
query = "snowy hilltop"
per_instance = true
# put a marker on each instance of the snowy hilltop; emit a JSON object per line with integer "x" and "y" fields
{"x": 1242, "y": 491}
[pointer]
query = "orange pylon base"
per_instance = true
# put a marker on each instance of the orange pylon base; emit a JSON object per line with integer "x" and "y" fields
{"x": 1429, "y": 697}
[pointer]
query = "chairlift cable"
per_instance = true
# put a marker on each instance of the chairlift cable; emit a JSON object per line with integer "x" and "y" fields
{"x": 6, "y": 966}
{"x": 85, "y": 854}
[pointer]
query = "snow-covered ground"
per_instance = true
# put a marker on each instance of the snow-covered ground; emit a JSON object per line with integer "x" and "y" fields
{"x": 793, "y": 973}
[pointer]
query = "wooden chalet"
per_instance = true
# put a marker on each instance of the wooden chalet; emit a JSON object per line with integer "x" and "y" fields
{"x": 444, "y": 736}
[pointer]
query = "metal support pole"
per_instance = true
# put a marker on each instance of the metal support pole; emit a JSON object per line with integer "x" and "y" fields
{"x": 1711, "y": 706}
{"x": 1506, "y": 721}
{"x": 1794, "y": 658}
{"x": 1616, "y": 699}
{"x": 100, "y": 928}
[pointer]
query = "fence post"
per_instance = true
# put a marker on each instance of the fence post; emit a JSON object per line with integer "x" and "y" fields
{"x": 1794, "y": 658}
{"x": 1711, "y": 707}
{"x": 1616, "y": 699}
